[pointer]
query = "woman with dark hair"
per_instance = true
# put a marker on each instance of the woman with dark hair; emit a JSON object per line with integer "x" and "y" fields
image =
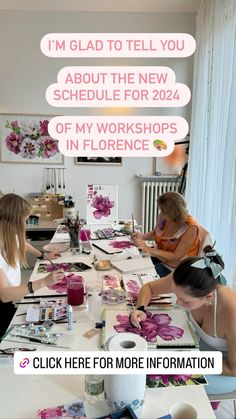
{"x": 14, "y": 210}
{"x": 198, "y": 284}
{"x": 177, "y": 234}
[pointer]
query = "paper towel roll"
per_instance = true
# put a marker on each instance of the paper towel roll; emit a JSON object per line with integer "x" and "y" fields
{"x": 126, "y": 342}
{"x": 123, "y": 390}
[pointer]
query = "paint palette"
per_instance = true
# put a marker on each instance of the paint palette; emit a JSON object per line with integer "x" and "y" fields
{"x": 102, "y": 265}
{"x": 56, "y": 247}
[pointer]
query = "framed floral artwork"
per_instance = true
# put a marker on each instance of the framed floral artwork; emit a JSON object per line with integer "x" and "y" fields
{"x": 99, "y": 161}
{"x": 101, "y": 204}
{"x": 25, "y": 139}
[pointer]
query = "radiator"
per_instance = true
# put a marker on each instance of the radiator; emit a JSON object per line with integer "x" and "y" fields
{"x": 151, "y": 190}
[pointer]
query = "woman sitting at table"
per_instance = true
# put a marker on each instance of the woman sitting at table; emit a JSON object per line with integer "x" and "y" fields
{"x": 14, "y": 210}
{"x": 177, "y": 234}
{"x": 198, "y": 285}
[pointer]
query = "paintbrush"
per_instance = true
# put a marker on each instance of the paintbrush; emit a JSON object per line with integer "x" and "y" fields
{"x": 35, "y": 341}
{"x": 52, "y": 263}
{"x": 132, "y": 223}
{"x": 139, "y": 325}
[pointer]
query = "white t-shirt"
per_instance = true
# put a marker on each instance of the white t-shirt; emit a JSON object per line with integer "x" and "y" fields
{"x": 13, "y": 275}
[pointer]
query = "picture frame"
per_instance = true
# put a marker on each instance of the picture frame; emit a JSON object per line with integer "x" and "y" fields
{"x": 99, "y": 161}
{"x": 24, "y": 138}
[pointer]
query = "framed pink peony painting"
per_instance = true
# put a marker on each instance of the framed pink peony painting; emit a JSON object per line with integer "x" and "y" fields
{"x": 101, "y": 204}
{"x": 25, "y": 139}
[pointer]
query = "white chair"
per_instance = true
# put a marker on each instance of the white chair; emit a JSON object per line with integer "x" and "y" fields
{"x": 225, "y": 396}
{"x": 205, "y": 240}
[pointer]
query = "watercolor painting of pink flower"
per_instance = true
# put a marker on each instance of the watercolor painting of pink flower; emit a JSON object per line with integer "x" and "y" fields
{"x": 30, "y": 139}
{"x": 133, "y": 288}
{"x": 154, "y": 325}
{"x": 123, "y": 244}
{"x": 111, "y": 281}
{"x": 67, "y": 267}
{"x": 61, "y": 287}
{"x": 155, "y": 381}
{"x": 102, "y": 205}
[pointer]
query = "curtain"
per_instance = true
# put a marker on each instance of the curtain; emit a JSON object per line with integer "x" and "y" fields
{"x": 211, "y": 190}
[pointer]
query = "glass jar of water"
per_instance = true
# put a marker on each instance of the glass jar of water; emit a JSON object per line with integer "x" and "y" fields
{"x": 94, "y": 388}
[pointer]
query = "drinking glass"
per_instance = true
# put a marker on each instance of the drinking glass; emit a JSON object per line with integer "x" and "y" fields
{"x": 75, "y": 292}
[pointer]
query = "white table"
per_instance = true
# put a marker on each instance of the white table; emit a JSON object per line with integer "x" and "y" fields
{"x": 21, "y": 396}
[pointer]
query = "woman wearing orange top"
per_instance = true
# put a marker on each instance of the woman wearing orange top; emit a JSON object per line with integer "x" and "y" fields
{"x": 176, "y": 234}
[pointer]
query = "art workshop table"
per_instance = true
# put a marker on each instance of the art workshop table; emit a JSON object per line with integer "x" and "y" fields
{"x": 22, "y": 396}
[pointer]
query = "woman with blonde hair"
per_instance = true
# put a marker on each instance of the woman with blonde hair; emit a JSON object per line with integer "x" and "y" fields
{"x": 14, "y": 210}
{"x": 176, "y": 234}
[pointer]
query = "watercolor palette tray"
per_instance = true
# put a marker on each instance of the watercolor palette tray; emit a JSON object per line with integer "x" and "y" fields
{"x": 47, "y": 310}
{"x": 56, "y": 247}
{"x": 163, "y": 328}
{"x": 102, "y": 265}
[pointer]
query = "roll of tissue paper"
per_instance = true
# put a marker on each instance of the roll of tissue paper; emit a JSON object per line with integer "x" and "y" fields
{"x": 123, "y": 390}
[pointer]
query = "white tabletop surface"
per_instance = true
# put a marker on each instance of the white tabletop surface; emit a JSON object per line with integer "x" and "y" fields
{"x": 21, "y": 396}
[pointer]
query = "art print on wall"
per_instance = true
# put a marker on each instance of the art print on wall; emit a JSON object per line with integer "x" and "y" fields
{"x": 25, "y": 139}
{"x": 162, "y": 328}
{"x": 101, "y": 204}
{"x": 99, "y": 161}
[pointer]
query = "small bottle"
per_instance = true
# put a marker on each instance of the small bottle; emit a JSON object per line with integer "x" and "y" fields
{"x": 94, "y": 388}
{"x": 70, "y": 317}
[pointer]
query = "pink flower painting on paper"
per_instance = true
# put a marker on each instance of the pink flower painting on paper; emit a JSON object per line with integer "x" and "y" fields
{"x": 102, "y": 205}
{"x": 67, "y": 267}
{"x": 111, "y": 281}
{"x": 156, "y": 381}
{"x": 133, "y": 288}
{"x": 30, "y": 139}
{"x": 154, "y": 325}
{"x": 123, "y": 244}
{"x": 61, "y": 287}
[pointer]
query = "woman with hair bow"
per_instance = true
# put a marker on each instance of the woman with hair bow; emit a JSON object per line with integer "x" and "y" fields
{"x": 198, "y": 284}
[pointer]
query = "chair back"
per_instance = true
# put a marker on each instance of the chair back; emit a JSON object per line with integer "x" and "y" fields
{"x": 205, "y": 240}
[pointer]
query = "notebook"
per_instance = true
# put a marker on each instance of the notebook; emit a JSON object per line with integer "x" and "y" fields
{"x": 134, "y": 265}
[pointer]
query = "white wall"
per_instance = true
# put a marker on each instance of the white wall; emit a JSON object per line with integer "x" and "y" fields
{"x": 25, "y": 74}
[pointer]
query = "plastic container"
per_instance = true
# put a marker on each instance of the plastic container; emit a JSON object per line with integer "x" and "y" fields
{"x": 94, "y": 304}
